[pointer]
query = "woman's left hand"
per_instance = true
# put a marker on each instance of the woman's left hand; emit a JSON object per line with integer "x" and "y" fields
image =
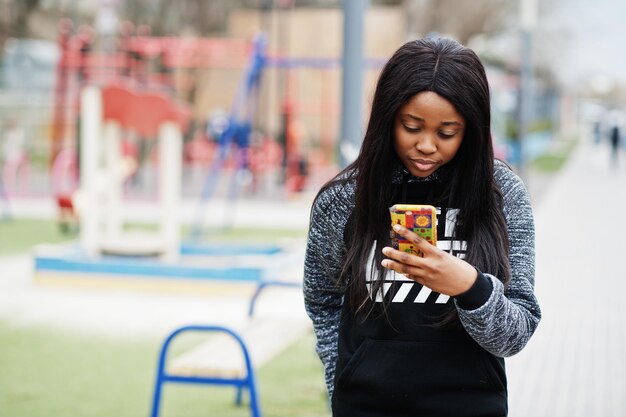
{"x": 438, "y": 270}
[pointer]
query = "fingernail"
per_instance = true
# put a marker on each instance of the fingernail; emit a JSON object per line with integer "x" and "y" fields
{"x": 397, "y": 227}
{"x": 385, "y": 263}
{"x": 385, "y": 250}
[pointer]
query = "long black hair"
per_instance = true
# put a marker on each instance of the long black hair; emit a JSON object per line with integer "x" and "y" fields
{"x": 455, "y": 73}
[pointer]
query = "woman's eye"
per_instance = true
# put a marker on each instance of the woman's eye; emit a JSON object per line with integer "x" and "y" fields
{"x": 411, "y": 129}
{"x": 446, "y": 135}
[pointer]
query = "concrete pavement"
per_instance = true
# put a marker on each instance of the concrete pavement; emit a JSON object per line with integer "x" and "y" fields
{"x": 574, "y": 365}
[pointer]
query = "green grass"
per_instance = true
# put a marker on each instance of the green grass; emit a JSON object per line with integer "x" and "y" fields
{"x": 549, "y": 163}
{"x": 553, "y": 160}
{"x": 52, "y": 373}
{"x": 20, "y": 235}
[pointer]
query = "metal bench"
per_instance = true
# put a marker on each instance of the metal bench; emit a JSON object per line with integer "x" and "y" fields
{"x": 230, "y": 356}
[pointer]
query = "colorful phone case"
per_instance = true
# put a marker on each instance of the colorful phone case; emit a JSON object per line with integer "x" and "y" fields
{"x": 421, "y": 219}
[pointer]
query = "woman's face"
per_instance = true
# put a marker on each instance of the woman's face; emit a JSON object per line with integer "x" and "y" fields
{"x": 428, "y": 132}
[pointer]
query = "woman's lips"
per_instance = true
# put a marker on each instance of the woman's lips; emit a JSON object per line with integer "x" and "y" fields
{"x": 423, "y": 164}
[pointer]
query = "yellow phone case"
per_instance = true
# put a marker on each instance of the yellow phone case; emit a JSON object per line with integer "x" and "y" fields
{"x": 419, "y": 218}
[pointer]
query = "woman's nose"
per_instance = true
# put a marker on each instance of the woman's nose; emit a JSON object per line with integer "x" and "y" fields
{"x": 426, "y": 144}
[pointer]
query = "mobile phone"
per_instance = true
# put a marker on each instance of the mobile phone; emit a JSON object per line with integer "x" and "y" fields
{"x": 419, "y": 218}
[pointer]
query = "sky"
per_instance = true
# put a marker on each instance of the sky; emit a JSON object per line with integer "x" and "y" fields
{"x": 584, "y": 40}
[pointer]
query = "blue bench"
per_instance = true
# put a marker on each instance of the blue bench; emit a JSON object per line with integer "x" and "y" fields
{"x": 230, "y": 356}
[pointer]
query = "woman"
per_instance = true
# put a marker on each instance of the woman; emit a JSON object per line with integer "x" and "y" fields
{"x": 402, "y": 335}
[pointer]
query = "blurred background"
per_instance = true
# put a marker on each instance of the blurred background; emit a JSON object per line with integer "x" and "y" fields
{"x": 198, "y": 52}
{"x": 271, "y": 98}
{"x": 546, "y": 71}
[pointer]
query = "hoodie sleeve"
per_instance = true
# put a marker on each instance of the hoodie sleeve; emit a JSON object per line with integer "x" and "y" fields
{"x": 324, "y": 257}
{"x": 509, "y": 316}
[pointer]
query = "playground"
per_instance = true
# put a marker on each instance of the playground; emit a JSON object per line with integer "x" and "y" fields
{"x": 128, "y": 130}
{"x": 149, "y": 213}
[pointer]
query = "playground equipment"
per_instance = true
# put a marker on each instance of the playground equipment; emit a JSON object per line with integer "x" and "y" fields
{"x": 105, "y": 113}
{"x": 158, "y": 64}
{"x": 106, "y": 247}
{"x": 189, "y": 68}
{"x": 237, "y": 131}
{"x": 229, "y": 358}
{"x": 299, "y": 114}
{"x": 166, "y": 65}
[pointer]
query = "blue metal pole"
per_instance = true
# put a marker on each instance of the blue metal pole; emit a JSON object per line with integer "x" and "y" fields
{"x": 352, "y": 81}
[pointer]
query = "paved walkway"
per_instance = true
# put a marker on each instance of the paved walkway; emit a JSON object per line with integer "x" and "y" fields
{"x": 575, "y": 365}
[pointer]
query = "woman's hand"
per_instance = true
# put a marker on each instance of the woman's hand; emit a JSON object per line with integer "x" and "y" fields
{"x": 438, "y": 270}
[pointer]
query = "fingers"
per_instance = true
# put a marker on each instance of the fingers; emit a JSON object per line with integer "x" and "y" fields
{"x": 410, "y": 264}
{"x": 410, "y": 271}
{"x": 419, "y": 242}
{"x": 402, "y": 262}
